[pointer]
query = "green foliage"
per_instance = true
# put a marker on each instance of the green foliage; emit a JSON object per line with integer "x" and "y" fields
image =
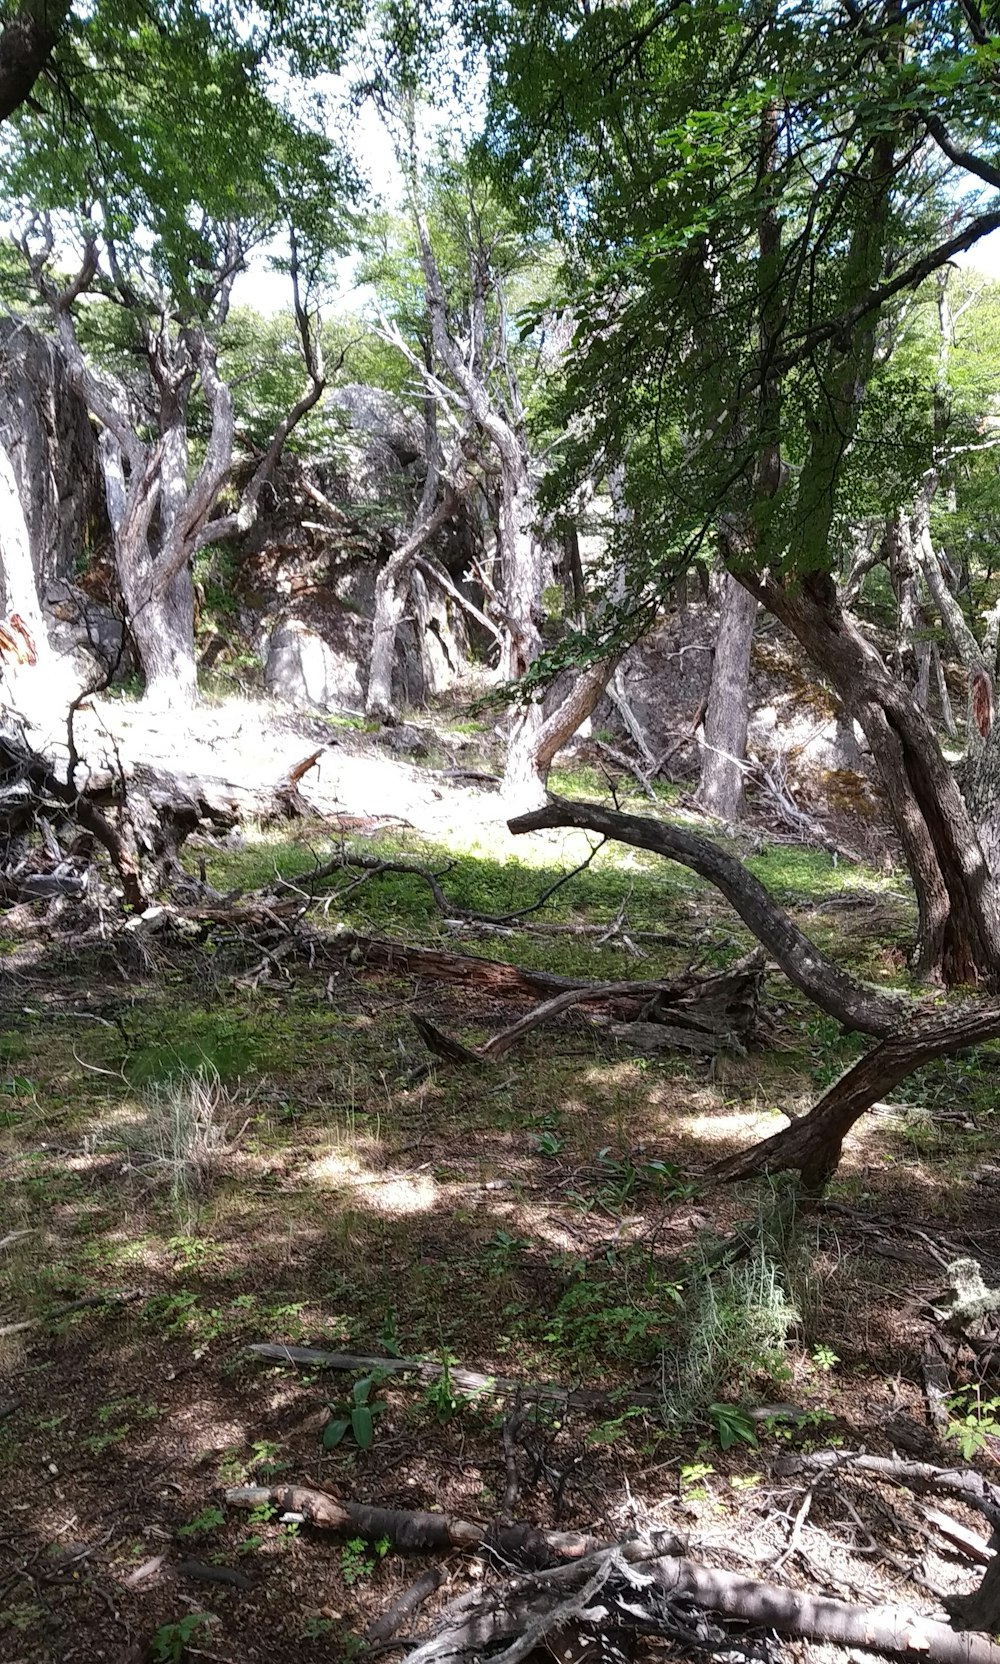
{"x": 170, "y": 1643}
{"x": 356, "y": 1563}
{"x": 734, "y": 1327}
{"x": 972, "y": 1420}
{"x": 203, "y": 1524}
{"x": 359, "y": 1417}
{"x": 441, "y": 1395}
{"x": 732, "y": 1425}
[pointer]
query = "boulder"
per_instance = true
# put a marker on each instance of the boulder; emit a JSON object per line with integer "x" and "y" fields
{"x": 314, "y": 671}
{"x": 383, "y": 441}
{"x": 46, "y": 432}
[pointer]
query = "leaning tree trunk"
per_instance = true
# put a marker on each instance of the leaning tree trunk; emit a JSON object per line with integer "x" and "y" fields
{"x": 957, "y": 898}
{"x": 723, "y": 763}
{"x": 33, "y": 678}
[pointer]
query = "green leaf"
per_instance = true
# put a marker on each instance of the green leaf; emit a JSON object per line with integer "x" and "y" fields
{"x": 334, "y": 1432}
{"x": 362, "y": 1388}
{"x": 363, "y": 1426}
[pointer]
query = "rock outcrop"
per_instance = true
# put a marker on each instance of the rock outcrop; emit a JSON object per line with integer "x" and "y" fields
{"x": 46, "y": 432}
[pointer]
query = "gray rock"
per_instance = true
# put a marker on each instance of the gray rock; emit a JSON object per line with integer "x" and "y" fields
{"x": 313, "y": 672}
{"x": 46, "y": 431}
{"x": 82, "y": 629}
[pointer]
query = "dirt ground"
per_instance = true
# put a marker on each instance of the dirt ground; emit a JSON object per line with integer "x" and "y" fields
{"x": 546, "y": 1218}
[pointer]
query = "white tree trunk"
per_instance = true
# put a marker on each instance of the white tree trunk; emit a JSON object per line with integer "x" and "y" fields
{"x": 162, "y": 625}
{"x": 720, "y": 790}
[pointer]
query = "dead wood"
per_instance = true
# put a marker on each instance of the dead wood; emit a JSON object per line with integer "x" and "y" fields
{"x": 112, "y": 1298}
{"x": 381, "y": 1628}
{"x": 962, "y": 1483}
{"x": 467, "y": 1380}
{"x": 976, "y": 1548}
{"x": 714, "y": 1015}
{"x": 643, "y": 1588}
{"x": 415, "y": 1532}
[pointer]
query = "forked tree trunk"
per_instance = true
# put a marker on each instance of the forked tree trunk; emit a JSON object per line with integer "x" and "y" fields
{"x": 957, "y": 898}
{"x": 723, "y": 763}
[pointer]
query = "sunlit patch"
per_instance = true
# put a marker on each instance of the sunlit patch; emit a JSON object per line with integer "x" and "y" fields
{"x": 339, "y": 1166}
{"x": 735, "y": 1128}
{"x": 397, "y": 1193}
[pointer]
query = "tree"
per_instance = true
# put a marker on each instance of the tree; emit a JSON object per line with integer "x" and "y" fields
{"x": 163, "y": 242}
{"x": 751, "y": 196}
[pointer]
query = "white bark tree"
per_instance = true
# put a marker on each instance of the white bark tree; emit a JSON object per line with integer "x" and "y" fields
{"x": 161, "y": 506}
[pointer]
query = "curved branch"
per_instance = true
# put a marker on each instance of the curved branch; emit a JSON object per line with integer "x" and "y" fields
{"x": 842, "y": 996}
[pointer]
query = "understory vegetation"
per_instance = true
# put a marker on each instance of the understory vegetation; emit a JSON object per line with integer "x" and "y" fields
{"x": 204, "y": 1150}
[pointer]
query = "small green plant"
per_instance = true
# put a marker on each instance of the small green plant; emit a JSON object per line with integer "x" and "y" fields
{"x": 170, "y": 1643}
{"x": 824, "y": 1357}
{"x": 691, "y": 1476}
{"x": 972, "y": 1419}
{"x": 359, "y": 1419}
{"x": 387, "y": 1336}
{"x": 732, "y": 1425}
{"x": 547, "y": 1143}
{"x": 316, "y": 1628}
{"x": 441, "y": 1395}
{"x": 203, "y": 1524}
{"x": 355, "y": 1560}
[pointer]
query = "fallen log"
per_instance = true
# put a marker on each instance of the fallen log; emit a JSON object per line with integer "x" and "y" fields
{"x": 716, "y": 1014}
{"x": 416, "y": 1532}
{"x": 466, "y": 1380}
{"x": 642, "y": 1584}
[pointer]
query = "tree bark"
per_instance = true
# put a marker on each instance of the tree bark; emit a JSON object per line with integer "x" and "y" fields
{"x": 26, "y": 45}
{"x": 162, "y": 624}
{"x": 720, "y": 790}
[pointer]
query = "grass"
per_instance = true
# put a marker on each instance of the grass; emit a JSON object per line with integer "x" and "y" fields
{"x": 262, "y": 1164}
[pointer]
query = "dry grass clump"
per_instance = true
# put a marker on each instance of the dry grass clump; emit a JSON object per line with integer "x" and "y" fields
{"x": 182, "y": 1140}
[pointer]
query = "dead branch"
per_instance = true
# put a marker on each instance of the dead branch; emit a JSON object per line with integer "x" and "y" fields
{"x": 963, "y": 1484}
{"x": 833, "y": 990}
{"x": 639, "y": 1584}
{"x": 467, "y": 1380}
{"x": 112, "y": 1298}
{"x": 701, "y": 1016}
{"x": 415, "y": 1532}
{"x": 381, "y": 1628}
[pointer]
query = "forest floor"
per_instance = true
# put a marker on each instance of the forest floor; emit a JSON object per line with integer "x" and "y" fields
{"x": 251, "y": 1151}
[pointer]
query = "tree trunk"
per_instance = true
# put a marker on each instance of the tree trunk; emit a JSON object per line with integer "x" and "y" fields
{"x": 720, "y": 790}
{"x": 391, "y": 588}
{"x": 162, "y": 626}
{"x": 958, "y": 902}
{"x": 35, "y": 681}
{"x": 981, "y": 1609}
{"x": 812, "y": 1145}
{"x": 535, "y": 739}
